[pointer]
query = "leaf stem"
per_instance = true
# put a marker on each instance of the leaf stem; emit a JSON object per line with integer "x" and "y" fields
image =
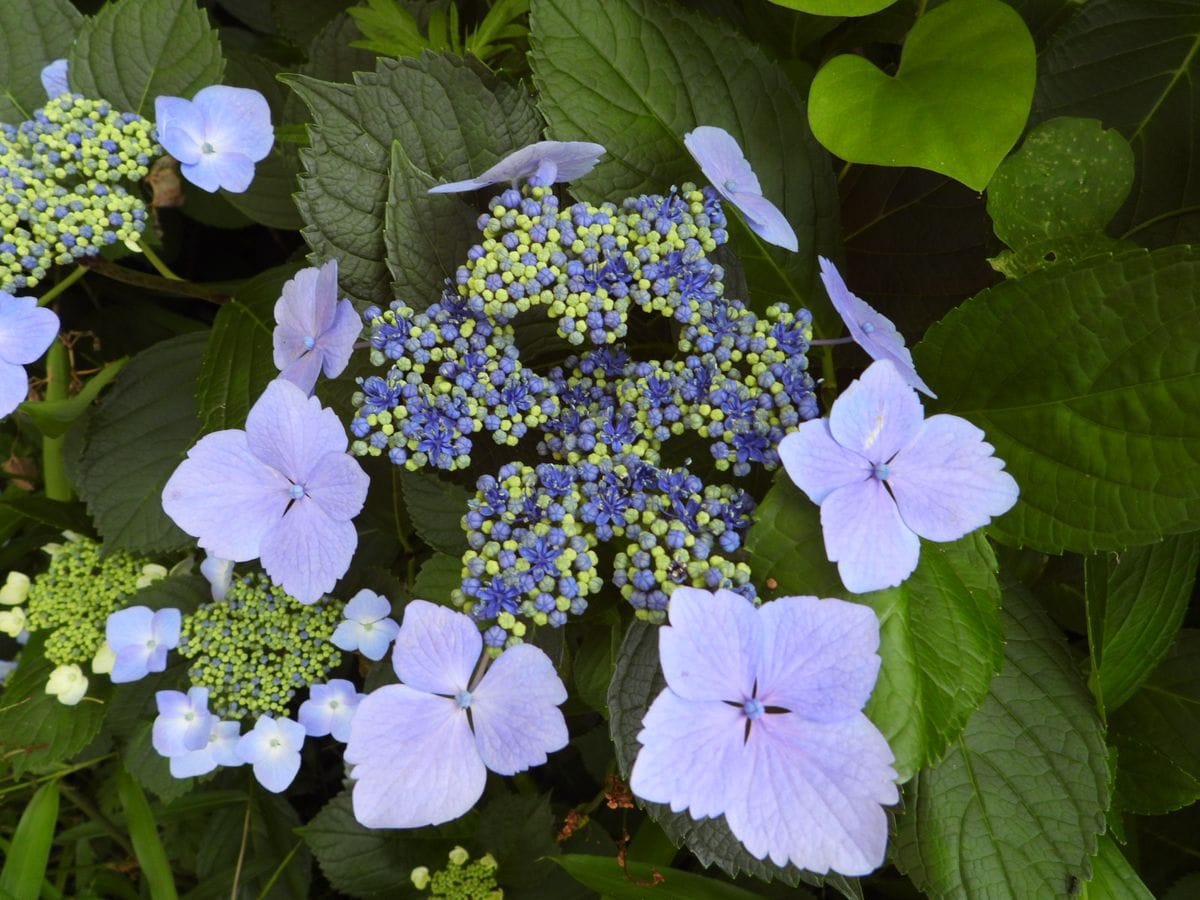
{"x": 58, "y": 379}
{"x": 90, "y": 810}
{"x": 54, "y": 292}
{"x": 237, "y": 871}
{"x": 158, "y": 264}
{"x": 154, "y": 282}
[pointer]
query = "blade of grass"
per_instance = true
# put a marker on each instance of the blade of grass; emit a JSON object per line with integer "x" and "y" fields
{"x": 25, "y": 870}
{"x": 143, "y": 831}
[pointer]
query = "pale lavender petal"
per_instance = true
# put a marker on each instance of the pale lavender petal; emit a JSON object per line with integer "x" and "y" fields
{"x": 273, "y": 749}
{"x": 54, "y": 78}
{"x": 237, "y": 120}
{"x": 192, "y": 763}
{"x": 947, "y": 482}
{"x": 814, "y": 794}
{"x": 436, "y": 649}
{"x": 818, "y": 464}
{"x": 221, "y": 750}
{"x": 721, "y": 159}
{"x": 166, "y": 626}
{"x": 329, "y": 709}
{"x": 690, "y": 755}
{"x": 213, "y": 171}
{"x": 134, "y": 662}
{"x": 877, "y": 415}
{"x": 305, "y": 308}
{"x": 515, "y": 711}
{"x": 570, "y": 159}
{"x": 367, "y": 606}
{"x": 125, "y": 627}
{"x": 376, "y": 638}
{"x": 303, "y": 371}
{"x": 415, "y": 760}
{"x": 871, "y": 330}
{"x": 292, "y": 432}
{"x": 14, "y": 387}
{"x": 306, "y": 552}
{"x": 183, "y": 721}
{"x": 865, "y": 536}
{"x": 26, "y": 330}
{"x": 225, "y": 496}
{"x": 180, "y": 128}
{"x": 339, "y": 486}
{"x": 818, "y": 657}
{"x": 223, "y": 741}
{"x": 337, "y": 343}
{"x": 708, "y": 650}
{"x": 765, "y": 220}
{"x": 219, "y": 573}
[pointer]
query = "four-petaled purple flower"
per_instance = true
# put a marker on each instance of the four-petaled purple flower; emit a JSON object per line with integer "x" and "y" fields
{"x": 184, "y": 722}
{"x": 367, "y": 626}
{"x": 761, "y": 721}
{"x": 725, "y": 166}
{"x": 315, "y": 331}
{"x": 217, "y": 136}
{"x": 26, "y": 332}
{"x": 541, "y": 164}
{"x": 272, "y": 747}
{"x": 421, "y": 750}
{"x": 871, "y": 330}
{"x": 329, "y": 709}
{"x": 221, "y": 750}
{"x": 885, "y": 476}
{"x": 140, "y": 638}
{"x": 284, "y": 490}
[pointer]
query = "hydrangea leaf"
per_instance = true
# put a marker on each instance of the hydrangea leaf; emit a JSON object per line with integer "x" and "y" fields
{"x": 426, "y": 235}
{"x": 610, "y": 877}
{"x": 1051, "y": 200}
{"x": 637, "y": 680}
{"x": 32, "y": 33}
{"x": 451, "y": 116}
{"x": 1150, "y": 97}
{"x": 133, "y": 51}
{"x": 330, "y": 58}
{"x": 1157, "y": 734}
{"x": 54, "y": 418}
{"x": 589, "y": 64}
{"x": 440, "y": 575}
{"x": 301, "y": 20}
{"x": 135, "y": 440}
{"x": 35, "y": 729}
{"x": 836, "y": 7}
{"x": 237, "y": 363}
{"x": 1014, "y": 808}
{"x": 957, "y": 104}
{"x": 149, "y": 769}
{"x": 364, "y": 862}
{"x": 1113, "y": 878}
{"x": 940, "y": 634}
{"x": 436, "y": 507}
{"x": 1147, "y": 590}
{"x": 1086, "y": 378}
{"x": 271, "y": 855}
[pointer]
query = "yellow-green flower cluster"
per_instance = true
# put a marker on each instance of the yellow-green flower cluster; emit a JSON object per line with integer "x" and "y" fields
{"x": 259, "y": 646}
{"x": 461, "y": 879}
{"x": 61, "y": 196}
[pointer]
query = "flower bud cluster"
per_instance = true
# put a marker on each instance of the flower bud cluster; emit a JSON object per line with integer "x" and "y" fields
{"x": 259, "y": 646}
{"x": 461, "y": 879}
{"x": 61, "y": 196}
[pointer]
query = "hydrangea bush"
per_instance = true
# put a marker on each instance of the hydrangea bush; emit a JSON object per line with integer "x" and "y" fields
{"x": 448, "y": 454}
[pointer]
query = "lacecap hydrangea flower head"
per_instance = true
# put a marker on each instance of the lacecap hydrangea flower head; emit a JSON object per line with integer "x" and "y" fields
{"x": 885, "y": 477}
{"x": 761, "y": 721}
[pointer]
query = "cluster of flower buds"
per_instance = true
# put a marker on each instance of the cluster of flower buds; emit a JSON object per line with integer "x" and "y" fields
{"x": 61, "y": 196}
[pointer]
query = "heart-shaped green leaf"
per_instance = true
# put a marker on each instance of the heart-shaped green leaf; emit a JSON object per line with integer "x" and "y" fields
{"x": 957, "y": 104}
{"x": 836, "y": 7}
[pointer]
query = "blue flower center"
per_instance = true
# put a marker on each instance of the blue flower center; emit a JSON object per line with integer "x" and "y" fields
{"x": 868, "y": 328}
{"x": 463, "y": 699}
{"x": 309, "y": 342}
{"x": 207, "y": 148}
{"x": 296, "y": 491}
{"x": 882, "y": 472}
{"x": 754, "y": 709}
{"x": 731, "y": 184}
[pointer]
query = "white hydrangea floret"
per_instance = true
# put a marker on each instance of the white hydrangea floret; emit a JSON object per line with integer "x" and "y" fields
{"x": 68, "y": 683}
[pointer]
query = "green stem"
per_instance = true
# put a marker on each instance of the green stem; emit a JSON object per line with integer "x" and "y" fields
{"x": 58, "y": 379}
{"x": 53, "y": 293}
{"x": 158, "y": 264}
{"x": 828, "y": 375}
{"x": 153, "y": 282}
{"x": 90, "y": 810}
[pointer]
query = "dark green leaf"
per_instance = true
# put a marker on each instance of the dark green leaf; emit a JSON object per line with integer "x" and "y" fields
{"x": 58, "y": 514}
{"x": 29, "y": 852}
{"x": 143, "y": 833}
{"x": 133, "y": 51}
{"x": 151, "y": 769}
{"x": 635, "y": 880}
{"x": 1015, "y": 807}
{"x": 1157, "y": 734}
{"x": 453, "y": 120}
{"x": 271, "y": 842}
{"x": 301, "y": 20}
{"x": 1135, "y": 66}
{"x": 135, "y": 440}
{"x": 590, "y": 66}
{"x": 1052, "y": 199}
{"x": 35, "y": 729}
{"x": 55, "y": 417}
{"x": 1086, "y": 378}
{"x": 427, "y": 235}
{"x": 440, "y": 575}
{"x": 518, "y": 830}
{"x": 785, "y": 546}
{"x": 436, "y": 507}
{"x": 238, "y": 362}
{"x": 1148, "y": 592}
{"x": 33, "y": 33}
{"x": 596, "y": 659}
